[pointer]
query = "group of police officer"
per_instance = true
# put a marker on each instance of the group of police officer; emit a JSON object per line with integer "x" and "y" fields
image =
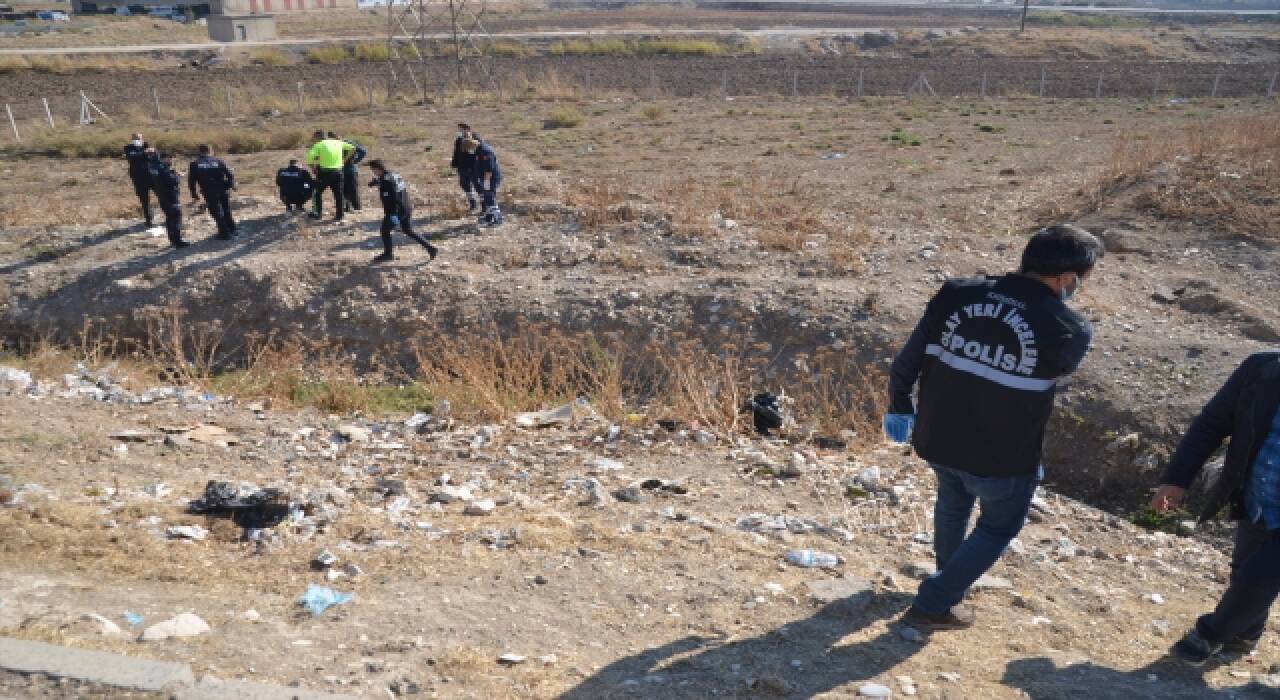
{"x": 334, "y": 163}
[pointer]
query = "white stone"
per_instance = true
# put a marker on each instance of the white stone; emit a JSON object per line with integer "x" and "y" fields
{"x": 184, "y": 625}
{"x": 874, "y": 690}
{"x": 186, "y": 532}
{"x": 106, "y": 627}
{"x": 354, "y": 433}
{"x": 510, "y": 659}
{"x": 483, "y": 506}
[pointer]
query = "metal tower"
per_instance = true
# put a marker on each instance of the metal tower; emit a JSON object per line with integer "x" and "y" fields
{"x": 419, "y": 30}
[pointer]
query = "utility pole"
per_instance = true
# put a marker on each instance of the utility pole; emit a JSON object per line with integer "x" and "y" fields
{"x": 1023, "y": 28}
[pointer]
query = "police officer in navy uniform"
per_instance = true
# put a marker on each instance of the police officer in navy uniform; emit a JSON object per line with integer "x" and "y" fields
{"x": 167, "y": 183}
{"x": 464, "y": 162}
{"x": 485, "y": 177}
{"x": 216, "y": 182}
{"x": 350, "y": 173}
{"x": 296, "y": 186}
{"x": 397, "y": 210}
{"x": 140, "y": 173}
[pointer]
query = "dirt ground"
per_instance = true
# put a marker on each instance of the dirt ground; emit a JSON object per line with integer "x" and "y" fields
{"x": 805, "y": 224}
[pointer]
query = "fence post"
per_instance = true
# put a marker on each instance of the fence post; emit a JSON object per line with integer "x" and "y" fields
{"x": 1216, "y": 80}
{"x": 1271, "y": 88}
{"x": 1155, "y": 87}
{"x": 369, "y": 85}
{"x": 1097, "y": 93}
{"x": 1042, "y": 76}
{"x": 155, "y": 99}
{"x": 795, "y": 83}
{"x": 861, "y": 73}
{"x": 48, "y": 115}
{"x": 12, "y": 124}
{"x": 724, "y": 82}
{"x": 231, "y": 106}
{"x": 302, "y": 105}
{"x": 653, "y": 83}
{"x": 984, "y": 85}
{"x": 589, "y": 92}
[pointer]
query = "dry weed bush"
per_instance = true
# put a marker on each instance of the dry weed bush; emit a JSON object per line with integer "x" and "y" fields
{"x": 489, "y": 373}
{"x": 1222, "y": 173}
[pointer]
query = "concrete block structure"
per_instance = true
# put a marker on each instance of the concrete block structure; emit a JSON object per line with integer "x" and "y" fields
{"x": 232, "y": 28}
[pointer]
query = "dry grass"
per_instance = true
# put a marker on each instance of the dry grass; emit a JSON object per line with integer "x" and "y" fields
{"x": 1222, "y": 174}
{"x": 106, "y": 143}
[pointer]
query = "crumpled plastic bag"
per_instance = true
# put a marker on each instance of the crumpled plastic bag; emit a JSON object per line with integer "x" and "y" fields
{"x": 317, "y": 599}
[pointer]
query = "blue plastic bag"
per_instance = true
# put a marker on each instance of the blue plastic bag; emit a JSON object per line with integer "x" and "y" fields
{"x": 317, "y": 599}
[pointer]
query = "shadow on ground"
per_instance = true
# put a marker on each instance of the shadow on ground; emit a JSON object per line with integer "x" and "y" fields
{"x": 698, "y": 667}
{"x": 1042, "y": 679}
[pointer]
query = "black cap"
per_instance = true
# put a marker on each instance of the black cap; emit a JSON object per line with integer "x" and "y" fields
{"x": 377, "y": 163}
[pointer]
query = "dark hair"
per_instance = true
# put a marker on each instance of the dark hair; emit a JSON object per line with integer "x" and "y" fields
{"x": 1059, "y": 249}
{"x": 165, "y": 155}
{"x": 464, "y": 126}
{"x": 205, "y": 149}
{"x": 332, "y": 135}
{"x": 293, "y": 161}
{"x": 318, "y": 134}
{"x": 376, "y": 164}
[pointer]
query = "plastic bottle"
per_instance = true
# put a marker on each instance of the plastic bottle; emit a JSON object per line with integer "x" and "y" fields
{"x": 812, "y": 559}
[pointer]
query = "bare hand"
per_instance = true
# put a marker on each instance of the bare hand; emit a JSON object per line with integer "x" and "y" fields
{"x": 1167, "y": 498}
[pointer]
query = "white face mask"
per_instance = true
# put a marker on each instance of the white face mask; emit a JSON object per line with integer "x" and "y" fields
{"x": 1066, "y": 294}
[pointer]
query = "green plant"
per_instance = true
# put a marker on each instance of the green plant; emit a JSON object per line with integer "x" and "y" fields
{"x": 369, "y": 51}
{"x": 270, "y": 57}
{"x": 330, "y": 54}
{"x": 563, "y": 118}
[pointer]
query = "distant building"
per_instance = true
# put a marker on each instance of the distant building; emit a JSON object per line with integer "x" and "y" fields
{"x": 204, "y": 8}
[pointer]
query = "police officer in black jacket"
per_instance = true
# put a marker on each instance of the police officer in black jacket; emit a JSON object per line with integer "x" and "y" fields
{"x": 168, "y": 186}
{"x": 216, "y": 182}
{"x": 397, "y": 210}
{"x": 463, "y": 162}
{"x": 140, "y": 173}
{"x": 988, "y": 354}
{"x": 295, "y": 185}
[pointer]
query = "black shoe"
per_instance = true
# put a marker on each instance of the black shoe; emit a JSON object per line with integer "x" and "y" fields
{"x": 385, "y": 257}
{"x": 1240, "y": 646}
{"x": 471, "y": 205}
{"x": 1194, "y": 649}
{"x": 314, "y": 214}
{"x": 957, "y": 618}
{"x": 337, "y": 219}
{"x": 182, "y": 244}
{"x": 432, "y": 251}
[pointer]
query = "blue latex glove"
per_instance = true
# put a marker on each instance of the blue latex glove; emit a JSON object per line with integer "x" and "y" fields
{"x": 395, "y": 220}
{"x": 898, "y": 426}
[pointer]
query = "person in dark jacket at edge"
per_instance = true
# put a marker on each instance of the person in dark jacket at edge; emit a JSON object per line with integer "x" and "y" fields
{"x": 168, "y": 187}
{"x": 136, "y": 153}
{"x": 988, "y": 354}
{"x": 1245, "y": 409}
{"x": 350, "y": 173}
{"x": 295, "y": 185}
{"x": 485, "y": 177}
{"x": 397, "y": 210}
{"x": 215, "y": 181}
{"x": 463, "y": 162}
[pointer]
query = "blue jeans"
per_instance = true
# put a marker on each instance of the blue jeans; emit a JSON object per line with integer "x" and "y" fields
{"x": 962, "y": 560}
{"x": 1255, "y": 582}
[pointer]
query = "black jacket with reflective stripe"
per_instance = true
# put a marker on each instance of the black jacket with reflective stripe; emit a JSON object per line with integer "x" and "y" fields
{"x": 987, "y": 353}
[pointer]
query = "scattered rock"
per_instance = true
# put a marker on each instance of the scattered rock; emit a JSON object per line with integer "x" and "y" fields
{"x": 102, "y": 625}
{"x": 186, "y": 532}
{"x": 353, "y": 433}
{"x": 184, "y": 625}
{"x": 560, "y": 415}
{"x": 874, "y": 690}
{"x": 510, "y": 659}
{"x": 483, "y": 506}
{"x": 631, "y": 494}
